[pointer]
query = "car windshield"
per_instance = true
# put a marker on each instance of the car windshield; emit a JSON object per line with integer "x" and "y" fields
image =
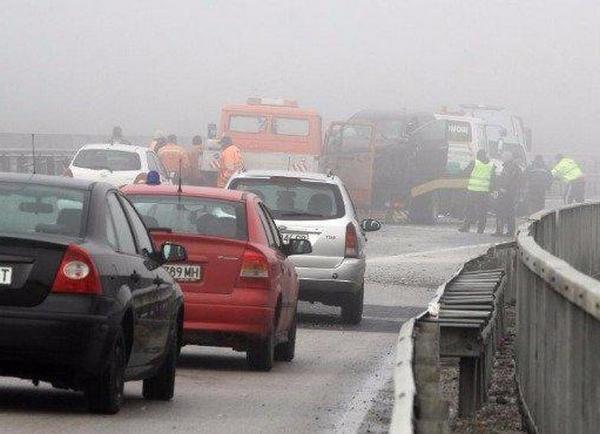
{"x": 107, "y": 159}
{"x": 30, "y": 208}
{"x": 193, "y": 215}
{"x": 296, "y": 199}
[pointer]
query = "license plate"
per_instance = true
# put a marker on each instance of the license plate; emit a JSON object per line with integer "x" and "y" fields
{"x": 5, "y": 275}
{"x": 288, "y": 237}
{"x": 185, "y": 273}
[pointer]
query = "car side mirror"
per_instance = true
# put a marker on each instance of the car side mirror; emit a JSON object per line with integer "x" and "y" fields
{"x": 172, "y": 252}
{"x": 370, "y": 225}
{"x": 298, "y": 247}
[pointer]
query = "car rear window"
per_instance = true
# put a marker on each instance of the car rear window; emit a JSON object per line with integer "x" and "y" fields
{"x": 294, "y": 198}
{"x": 193, "y": 215}
{"x": 107, "y": 159}
{"x": 30, "y": 208}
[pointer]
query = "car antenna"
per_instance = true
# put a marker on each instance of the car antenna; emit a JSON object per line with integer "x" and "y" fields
{"x": 179, "y": 190}
{"x": 33, "y": 152}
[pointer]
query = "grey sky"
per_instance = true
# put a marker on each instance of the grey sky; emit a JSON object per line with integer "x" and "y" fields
{"x": 86, "y": 65}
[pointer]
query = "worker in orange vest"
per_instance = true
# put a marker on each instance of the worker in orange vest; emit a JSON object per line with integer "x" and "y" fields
{"x": 174, "y": 156}
{"x": 195, "y": 156}
{"x": 230, "y": 162}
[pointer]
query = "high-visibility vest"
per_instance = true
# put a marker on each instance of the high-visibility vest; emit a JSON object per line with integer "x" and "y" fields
{"x": 567, "y": 170}
{"x": 171, "y": 155}
{"x": 481, "y": 177}
{"x": 231, "y": 161}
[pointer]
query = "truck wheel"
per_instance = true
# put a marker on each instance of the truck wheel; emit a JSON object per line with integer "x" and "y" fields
{"x": 352, "y": 309}
{"x": 161, "y": 387}
{"x": 261, "y": 354}
{"x": 105, "y": 392}
{"x": 425, "y": 209}
{"x": 285, "y": 351}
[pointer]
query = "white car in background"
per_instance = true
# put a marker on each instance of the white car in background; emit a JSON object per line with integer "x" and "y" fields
{"x": 116, "y": 164}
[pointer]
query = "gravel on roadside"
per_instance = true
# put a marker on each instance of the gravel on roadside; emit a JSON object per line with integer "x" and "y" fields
{"x": 500, "y": 414}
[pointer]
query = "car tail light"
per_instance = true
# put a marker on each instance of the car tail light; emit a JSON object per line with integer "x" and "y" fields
{"x": 255, "y": 270}
{"x": 140, "y": 179}
{"x": 68, "y": 173}
{"x": 77, "y": 273}
{"x": 351, "y": 250}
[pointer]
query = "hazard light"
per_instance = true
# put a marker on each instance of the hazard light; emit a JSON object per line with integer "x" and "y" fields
{"x": 272, "y": 101}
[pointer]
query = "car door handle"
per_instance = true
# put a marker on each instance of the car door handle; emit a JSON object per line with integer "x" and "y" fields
{"x": 135, "y": 277}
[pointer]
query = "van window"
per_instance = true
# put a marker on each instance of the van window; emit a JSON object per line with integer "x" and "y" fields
{"x": 290, "y": 127}
{"x": 247, "y": 124}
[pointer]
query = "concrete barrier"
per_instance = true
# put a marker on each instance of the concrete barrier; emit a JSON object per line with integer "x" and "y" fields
{"x": 558, "y": 320}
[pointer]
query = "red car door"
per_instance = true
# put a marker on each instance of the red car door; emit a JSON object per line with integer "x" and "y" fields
{"x": 286, "y": 273}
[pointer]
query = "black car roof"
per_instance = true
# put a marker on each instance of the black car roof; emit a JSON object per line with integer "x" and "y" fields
{"x": 54, "y": 181}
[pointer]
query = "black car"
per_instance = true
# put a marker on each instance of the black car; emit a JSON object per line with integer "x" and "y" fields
{"x": 84, "y": 301}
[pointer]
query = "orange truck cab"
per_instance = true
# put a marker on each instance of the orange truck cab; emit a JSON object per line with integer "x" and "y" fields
{"x": 271, "y": 134}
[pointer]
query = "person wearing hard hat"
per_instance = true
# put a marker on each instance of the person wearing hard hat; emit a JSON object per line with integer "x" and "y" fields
{"x": 481, "y": 174}
{"x": 175, "y": 158}
{"x": 568, "y": 171}
{"x": 230, "y": 162}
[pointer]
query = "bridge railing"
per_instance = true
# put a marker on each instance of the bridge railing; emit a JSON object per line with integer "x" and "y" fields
{"x": 558, "y": 320}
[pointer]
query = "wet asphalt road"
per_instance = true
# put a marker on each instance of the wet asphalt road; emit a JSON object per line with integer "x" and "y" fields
{"x": 330, "y": 386}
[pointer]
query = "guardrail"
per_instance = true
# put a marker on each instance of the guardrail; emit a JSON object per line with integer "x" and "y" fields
{"x": 558, "y": 320}
{"x": 47, "y": 161}
{"x": 465, "y": 321}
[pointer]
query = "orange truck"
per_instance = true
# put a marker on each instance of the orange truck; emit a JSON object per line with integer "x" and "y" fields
{"x": 271, "y": 134}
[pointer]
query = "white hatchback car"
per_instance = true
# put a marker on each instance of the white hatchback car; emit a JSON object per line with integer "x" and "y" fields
{"x": 317, "y": 208}
{"x": 116, "y": 164}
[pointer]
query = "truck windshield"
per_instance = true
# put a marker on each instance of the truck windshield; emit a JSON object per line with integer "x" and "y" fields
{"x": 296, "y": 199}
{"x": 290, "y": 126}
{"x": 247, "y": 124}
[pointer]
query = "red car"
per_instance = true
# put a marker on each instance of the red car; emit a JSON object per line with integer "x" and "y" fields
{"x": 240, "y": 289}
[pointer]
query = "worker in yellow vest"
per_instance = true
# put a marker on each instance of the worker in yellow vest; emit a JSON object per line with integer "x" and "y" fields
{"x": 481, "y": 174}
{"x": 568, "y": 171}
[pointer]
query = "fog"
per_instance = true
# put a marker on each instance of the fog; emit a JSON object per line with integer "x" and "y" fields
{"x": 86, "y": 65}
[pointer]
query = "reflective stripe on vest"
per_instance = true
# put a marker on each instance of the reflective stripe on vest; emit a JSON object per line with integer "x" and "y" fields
{"x": 567, "y": 170}
{"x": 481, "y": 177}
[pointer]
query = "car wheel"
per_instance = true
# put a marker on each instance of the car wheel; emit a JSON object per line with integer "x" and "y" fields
{"x": 261, "y": 354}
{"x": 352, "y": 309}
{"x": 161, "y": 387}
{"x": 285, "y": 351}
{"x": 105, "y": 392}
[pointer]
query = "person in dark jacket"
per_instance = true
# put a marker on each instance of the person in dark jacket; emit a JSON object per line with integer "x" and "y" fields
{"x": 508, "y": 186}
{"x": 539, "y": 180}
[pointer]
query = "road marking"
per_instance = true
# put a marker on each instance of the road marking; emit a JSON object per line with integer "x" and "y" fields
{"x": 426, "y": 253}
{"x": 357, "y": 409}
